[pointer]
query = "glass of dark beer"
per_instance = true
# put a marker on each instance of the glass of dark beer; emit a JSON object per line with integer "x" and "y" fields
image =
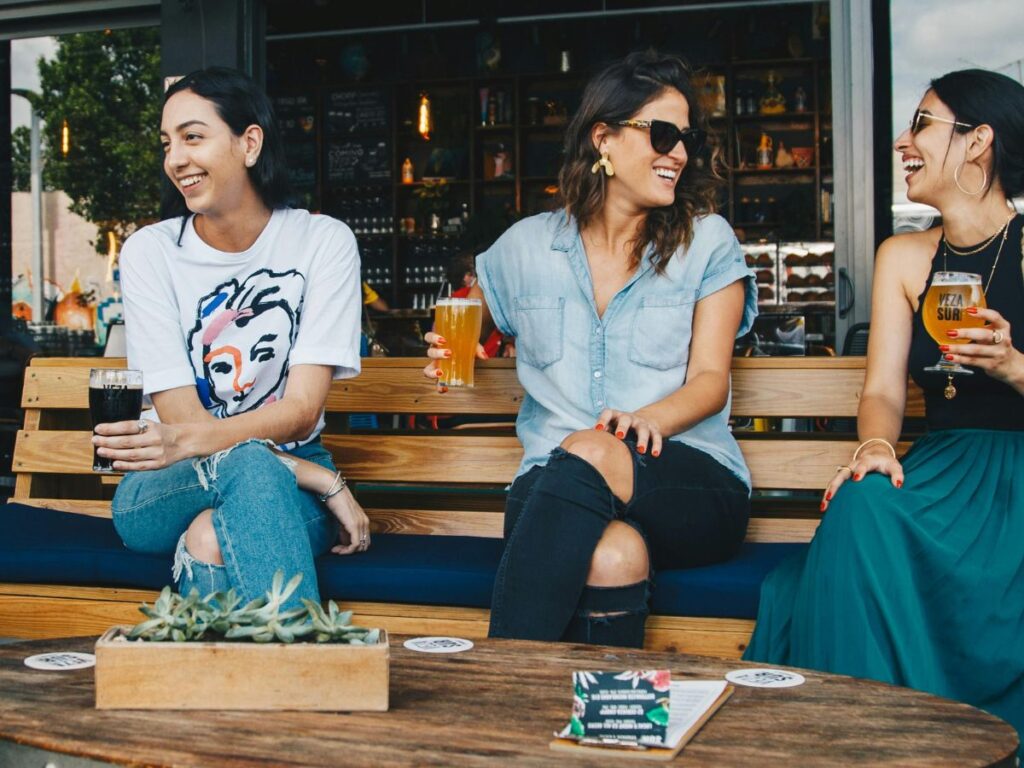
{"x": 115, "y": 394}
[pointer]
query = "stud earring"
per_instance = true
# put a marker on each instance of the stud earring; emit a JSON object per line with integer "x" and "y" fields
{"x": 604, "y": 162}
{"x": 250, "y": 161}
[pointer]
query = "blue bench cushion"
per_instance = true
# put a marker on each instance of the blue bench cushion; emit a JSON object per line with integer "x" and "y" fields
{"x": 43, "y": 546}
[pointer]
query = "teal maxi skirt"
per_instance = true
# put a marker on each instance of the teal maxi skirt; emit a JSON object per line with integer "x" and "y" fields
{"x": 921, "y": 586}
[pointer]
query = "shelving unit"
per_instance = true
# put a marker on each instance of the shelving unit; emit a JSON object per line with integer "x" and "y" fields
{"x": 512, "y": 125}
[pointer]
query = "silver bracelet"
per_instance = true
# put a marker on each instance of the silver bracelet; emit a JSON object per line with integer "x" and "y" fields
{"x": 338, "y": 485}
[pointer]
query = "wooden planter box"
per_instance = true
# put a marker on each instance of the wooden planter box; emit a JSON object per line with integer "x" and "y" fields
{"x": 224, "y": 675}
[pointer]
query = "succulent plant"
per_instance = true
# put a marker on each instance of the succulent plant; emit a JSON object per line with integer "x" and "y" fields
{"x": 262, "y": 620}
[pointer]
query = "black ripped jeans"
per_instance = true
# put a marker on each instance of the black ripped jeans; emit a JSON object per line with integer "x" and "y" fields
{"x": 689, "y": 509}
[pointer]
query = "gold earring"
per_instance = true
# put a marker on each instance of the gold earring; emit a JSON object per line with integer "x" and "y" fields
{"x": 604, "y": 162}
{"x": 956, "y": 179}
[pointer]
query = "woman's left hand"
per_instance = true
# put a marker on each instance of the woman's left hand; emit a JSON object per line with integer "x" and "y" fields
{"x": 648, "y": 434}
{"x": 354, "y": 534}
{"x": 990, "y": 348}
{"x": 139, "y": 445}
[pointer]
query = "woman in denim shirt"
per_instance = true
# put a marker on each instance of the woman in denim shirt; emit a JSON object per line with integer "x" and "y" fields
{"x": 624, "y": 302}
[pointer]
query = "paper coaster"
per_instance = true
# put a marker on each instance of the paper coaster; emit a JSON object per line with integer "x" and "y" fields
{"x": 61, "y": 661}
{"x": 765, "y": 678}
{"x": 438, "y": 644}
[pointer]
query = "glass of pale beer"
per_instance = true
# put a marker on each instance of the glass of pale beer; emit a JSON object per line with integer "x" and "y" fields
{"x": 945, "y": 306}
{"x": 458, "y": 321}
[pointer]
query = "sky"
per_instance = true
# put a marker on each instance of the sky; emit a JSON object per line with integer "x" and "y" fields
{"x": 932, "y": 37}
{"x": 25, "y": 73}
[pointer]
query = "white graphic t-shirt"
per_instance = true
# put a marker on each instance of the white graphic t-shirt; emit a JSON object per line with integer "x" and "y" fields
{"x": 231, "y": 324}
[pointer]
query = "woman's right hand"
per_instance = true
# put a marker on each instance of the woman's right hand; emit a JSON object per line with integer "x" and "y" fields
{"x": 872, "y": 459}
{"x": 354, "y": 533}
{"x": 438, "y": 350}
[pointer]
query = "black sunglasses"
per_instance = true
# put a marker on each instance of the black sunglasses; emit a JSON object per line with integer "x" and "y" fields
{"x": 665, "y": 135}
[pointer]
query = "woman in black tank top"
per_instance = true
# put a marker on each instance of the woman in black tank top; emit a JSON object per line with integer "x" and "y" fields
{"x": 916, "y": 574}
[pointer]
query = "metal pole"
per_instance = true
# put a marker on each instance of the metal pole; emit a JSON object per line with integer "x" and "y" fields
{"x": 37, "y": 220}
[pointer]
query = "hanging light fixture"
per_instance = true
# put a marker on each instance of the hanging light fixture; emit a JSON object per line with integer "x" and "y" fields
{"x": 425, "y": 117}
{"x": 65, "y": 139}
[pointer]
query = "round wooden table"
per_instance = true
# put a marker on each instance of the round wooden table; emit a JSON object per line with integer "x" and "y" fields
{"x": 501, "y": 701}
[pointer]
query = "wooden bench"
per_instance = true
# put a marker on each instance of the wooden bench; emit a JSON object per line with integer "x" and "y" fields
{"x": 440, "y": 483}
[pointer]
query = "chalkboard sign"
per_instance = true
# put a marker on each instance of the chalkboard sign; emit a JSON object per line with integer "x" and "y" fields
{"x": 296, "y": 118}
{"x": 358, "y": 160}
{"x": 358, "y": 112}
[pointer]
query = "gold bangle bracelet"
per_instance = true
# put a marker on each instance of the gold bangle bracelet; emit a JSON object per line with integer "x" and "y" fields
{"x": 869, "y": 442}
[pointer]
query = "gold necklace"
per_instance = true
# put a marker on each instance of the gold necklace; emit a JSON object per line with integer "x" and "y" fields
{"x": 979, "y": 248}
{"x": 1005, "y": 231}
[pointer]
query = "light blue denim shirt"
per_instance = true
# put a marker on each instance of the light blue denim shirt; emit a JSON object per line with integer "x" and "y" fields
{"x": 573, "y": 363}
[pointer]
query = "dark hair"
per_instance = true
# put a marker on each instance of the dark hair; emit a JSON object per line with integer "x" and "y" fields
{"x": 618, "y": 93}
{"x": 980, "y": 97}
{"x": 239, "y": 102}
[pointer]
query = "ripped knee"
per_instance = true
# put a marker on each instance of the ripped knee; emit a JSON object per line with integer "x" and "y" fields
{"x": 620, "y": 558}
{"x": 200, "y": 540}
{"x": 608, "y": 455}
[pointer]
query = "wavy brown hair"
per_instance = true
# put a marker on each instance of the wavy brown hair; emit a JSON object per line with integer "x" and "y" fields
{"x": 618, "y": 93}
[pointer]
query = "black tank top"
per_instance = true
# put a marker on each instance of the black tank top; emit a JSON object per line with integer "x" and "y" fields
{"x": 981, "y": 402}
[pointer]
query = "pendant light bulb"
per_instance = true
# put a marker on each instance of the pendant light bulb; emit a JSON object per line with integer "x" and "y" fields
{"x": 425, "y": 121}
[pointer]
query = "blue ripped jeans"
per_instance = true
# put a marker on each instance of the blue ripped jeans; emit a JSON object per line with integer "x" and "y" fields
{"x": 263, "y": 520}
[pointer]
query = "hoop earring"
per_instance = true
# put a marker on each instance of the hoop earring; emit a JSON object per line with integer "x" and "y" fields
{"x": 604, "y": 162}
{"x": 956, "y": 180}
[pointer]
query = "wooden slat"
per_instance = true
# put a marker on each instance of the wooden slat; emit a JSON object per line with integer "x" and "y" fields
{"x": 774, "y": 463}
{"x": 437, "y": 522}
{"x": 426, "y": 458}
{"x": 775, "y": 530}
{"x": 90, "y": 507}
{"x": 47, "y": 610}
{"x": 797, "y": 387}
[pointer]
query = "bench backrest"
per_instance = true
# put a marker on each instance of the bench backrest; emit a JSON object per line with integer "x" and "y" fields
{"x": 449, "y": 482}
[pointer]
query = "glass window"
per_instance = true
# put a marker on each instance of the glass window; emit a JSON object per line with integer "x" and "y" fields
{"x": 97, "y": 99}
{"x": 932, "y": 37}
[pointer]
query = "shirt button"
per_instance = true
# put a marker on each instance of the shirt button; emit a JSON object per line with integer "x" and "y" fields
{"x": 597, "y": 374}
{"x": 597, "y": 331}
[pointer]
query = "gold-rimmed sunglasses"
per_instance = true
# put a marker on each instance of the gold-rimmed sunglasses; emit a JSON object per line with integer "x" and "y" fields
{"x": 916, "y": 123}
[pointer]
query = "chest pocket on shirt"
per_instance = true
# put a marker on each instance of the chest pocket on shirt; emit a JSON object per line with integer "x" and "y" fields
{"x": 539, "y": 322}
{"x": 662, "y": 329}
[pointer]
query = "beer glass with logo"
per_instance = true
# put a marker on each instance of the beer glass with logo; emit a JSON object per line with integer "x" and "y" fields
{"x": 115, "y": 394}
{"x": 945, "y": 308}
{"x": 458, "y": 321}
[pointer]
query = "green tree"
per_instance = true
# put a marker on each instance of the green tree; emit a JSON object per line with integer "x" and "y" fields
{"x": 106, "y": 87}
{"x": 21, "y": 162}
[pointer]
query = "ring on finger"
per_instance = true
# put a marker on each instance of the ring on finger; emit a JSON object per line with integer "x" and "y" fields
{"x": 997, "y": 337}
{"x": 143, "y": 426}
{"x": 841, "y": 467}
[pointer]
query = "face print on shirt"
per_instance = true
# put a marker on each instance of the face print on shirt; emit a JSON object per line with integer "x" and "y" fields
{"x": 240, "y": 344}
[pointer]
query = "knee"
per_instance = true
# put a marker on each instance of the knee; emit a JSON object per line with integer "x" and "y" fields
{"x": 201, "y": 539}
{"x": 608, "y": 455}
{"x": 620, "y": 558}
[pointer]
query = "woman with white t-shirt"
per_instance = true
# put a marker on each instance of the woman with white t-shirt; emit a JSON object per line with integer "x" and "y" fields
{"x": 239, "y": 312}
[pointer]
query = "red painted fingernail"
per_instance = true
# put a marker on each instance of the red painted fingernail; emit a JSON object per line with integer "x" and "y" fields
{"x": 442, "y": 340}
{"x": 641, "y": 449}
{"x": 952, "y": 333}
{"x": 823, "y": 505}
{"x": 599, "y": 427}
{"x": 856, "y": 477}
{"x": 949, "y": 357}
{"x": 447, "y": 353}
{"x": 899, "y": 483}
{"x": 972, "y": 310}
{"x": 828, "y": 496}
{"x": 943, "y": 347}
{"x": 655, "y": 454}
{"x": 620, "y": 435}
{"x": 439, "y": 373}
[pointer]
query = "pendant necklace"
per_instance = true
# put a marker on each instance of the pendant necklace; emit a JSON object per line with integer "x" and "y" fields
{"x": 950, "y": 391}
